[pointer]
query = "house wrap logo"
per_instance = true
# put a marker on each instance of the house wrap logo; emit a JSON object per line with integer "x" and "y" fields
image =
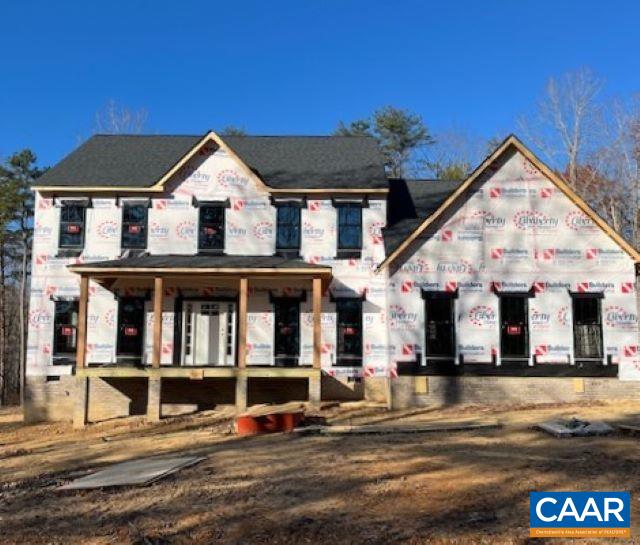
{"x": 540, "y": 320}
{"x": 490, "y": 221}
{"x": 109, "y": 318}
{"x": 263, "y": 230}
{"x": 399, "y": 318}
{"x": 619, "y": 318}
{"x": 533, "y": 220}
{"x": 379, "y": 349}
{"x": 375, "y": 232}
{"x": 461, "y": 266}
{"x": 158, "y": 231}
{"x": 482, "y": 316}
{"x": 39, "y": 318}
{"x": 186, "y": 230}
{"x": 563, "y": 316}
{"x": 509, "y": 254}
{"x": 312, "y": 232}
{"x": 418, "y": 266}
{"x": 579, "y": 221}
{"x": 107, "y": 229}
{"x": 42, "y": 232}
{"x": 234, "y": 231}
{"x": 230, "y": 179}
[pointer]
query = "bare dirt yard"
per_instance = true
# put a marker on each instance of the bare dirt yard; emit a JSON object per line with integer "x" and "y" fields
{"x": 445, "y": 487}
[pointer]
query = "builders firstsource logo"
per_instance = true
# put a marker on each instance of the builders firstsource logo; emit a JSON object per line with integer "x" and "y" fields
{"x": 580, "y": 514}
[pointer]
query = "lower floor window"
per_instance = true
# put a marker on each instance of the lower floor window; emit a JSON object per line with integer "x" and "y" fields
{"x": 440, "y": 326}
{"x": 287, "y": 331}
{"x": 65, "y": 327}
{"x": 131, "y": 313}
{"x": 349, "y": 317}
{"x": 587, "y": 328}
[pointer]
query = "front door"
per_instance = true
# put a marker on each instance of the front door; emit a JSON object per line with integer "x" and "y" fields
{"x": 209, "y": 333}
{"x": 287, "y": 332}
{"x": 514, "y": 327}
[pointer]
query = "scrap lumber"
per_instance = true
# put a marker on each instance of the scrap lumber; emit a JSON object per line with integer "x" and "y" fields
{"x": 397, "y": 428}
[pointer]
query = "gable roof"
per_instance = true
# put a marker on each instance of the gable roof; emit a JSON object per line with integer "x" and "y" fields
{"x": 144, "y": 162}
{"x": 409, "y": 203}
{"x": 510, "y": 142}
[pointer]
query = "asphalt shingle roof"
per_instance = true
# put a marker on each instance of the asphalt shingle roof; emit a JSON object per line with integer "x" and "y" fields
{"x": 411, "y": 202}
{"x": 203, "y": 261}
{"x": 283, "y": 162}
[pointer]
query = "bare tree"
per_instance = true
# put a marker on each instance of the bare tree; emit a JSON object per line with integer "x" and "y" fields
{"x": 619, "y": 161}
{"x": 118, "y": 119}
{"x": 455, "y": 152}
{"x": 565, "y": 126}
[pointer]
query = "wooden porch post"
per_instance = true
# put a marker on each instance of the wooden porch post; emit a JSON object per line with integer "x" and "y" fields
{"x": 242, "y": 322}
{"x": 158, "y": 296}
{"x": 317, "y": 322}
{"x": 315, "y": 381}
{"x": 81, "y": 340}
{"x": 241, "y": 375}
{"x": 81, "y": 393}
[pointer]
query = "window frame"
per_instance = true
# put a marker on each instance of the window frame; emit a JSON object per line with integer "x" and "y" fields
{"x": 348, "y": 359}
{"x": 344, "y": 206}
{"x": 144, "y": 226}
{"x": 524, "y": 296}
{"x": 597, "y": 297}
{"x": 279, "y": 304}
{"x": 297, "y": 208}
{"x": 60, "y": 357}
{"x": 62, "y": 222}
{"x": 125, "y": 356}
{"x": 450, "y": 297}
{"x": 222, "y": 206}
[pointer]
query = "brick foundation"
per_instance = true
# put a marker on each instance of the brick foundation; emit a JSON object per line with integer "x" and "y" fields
{"x": 119, "y": 397}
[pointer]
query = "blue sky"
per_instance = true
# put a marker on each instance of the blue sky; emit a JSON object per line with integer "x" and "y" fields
{"x": 296, "y": 67}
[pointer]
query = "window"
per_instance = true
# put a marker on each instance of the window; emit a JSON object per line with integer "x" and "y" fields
{"x": 211, "y": 228}
{"x": 131, "y": 314}
{"x": 65, "y": 325}
{"x": 287, "y": 331}
{"x": 440, "y": 325}
{"x": 349, "y": 315}
{"x": 587, "y": 328}
{"x": 349, "y": 226}
{"x": 72, "y": 218}
{"x": 288, "y": 227}
{"x": 134, "y": 226}
{"x": 514, "y": 327}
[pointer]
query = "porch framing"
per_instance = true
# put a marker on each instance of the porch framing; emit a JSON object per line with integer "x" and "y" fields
{"x": 319, "y": 278}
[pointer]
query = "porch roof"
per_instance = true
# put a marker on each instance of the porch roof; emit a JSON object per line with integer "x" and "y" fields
{"x": 169, "y": 264}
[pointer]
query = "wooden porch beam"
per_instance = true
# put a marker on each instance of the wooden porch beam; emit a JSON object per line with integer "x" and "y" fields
{"x": 158, "y": 296}
{"x": 81, "y": 340}
{"x": 317, "y": 322}
{"x": 242, "y": 321}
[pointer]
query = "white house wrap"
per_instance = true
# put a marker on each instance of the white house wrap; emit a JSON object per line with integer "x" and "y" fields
{"x": 510, "y": 231}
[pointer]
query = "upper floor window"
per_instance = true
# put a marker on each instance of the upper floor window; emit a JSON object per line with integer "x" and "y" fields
{"x": 72, "y": 223}
{"x": 134, "y": 226}
{"x": 211, "y": 227}
{"x": 349, "y": 226}
{"x": 65, "y": 324}
{"x": 288, "y": 226}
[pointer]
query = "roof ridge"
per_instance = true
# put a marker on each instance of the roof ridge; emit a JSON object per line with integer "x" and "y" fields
{"x": 235, "y": 135}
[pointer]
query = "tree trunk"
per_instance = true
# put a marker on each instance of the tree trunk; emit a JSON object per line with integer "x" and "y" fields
{"x": 23, "y": 304}
{"x": 3, "y": 330}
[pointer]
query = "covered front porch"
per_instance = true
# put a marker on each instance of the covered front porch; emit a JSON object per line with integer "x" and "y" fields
{"x": 200, "y": 324}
